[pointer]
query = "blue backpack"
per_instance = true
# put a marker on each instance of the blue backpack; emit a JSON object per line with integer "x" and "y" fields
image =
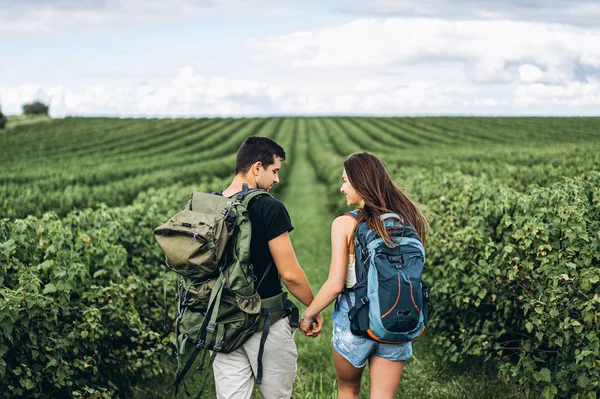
{"x": 392, "y": 301}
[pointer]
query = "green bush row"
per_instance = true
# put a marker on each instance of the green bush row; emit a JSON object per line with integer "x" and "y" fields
{"x": 117, "y": 179}
{"x": 24, "y": 200}
{"x": 516, "y": 278}
{"x": 76, "y": 163}
{"x": 81, "y": 299}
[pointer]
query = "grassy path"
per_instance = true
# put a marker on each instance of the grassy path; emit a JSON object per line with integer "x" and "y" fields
{"x": 306, "y": 200}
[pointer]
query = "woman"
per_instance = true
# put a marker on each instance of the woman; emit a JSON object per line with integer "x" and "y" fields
{"x": 368, "y": 185}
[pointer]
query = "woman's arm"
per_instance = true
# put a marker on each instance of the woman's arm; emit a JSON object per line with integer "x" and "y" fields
{"x": 341, "y": 229}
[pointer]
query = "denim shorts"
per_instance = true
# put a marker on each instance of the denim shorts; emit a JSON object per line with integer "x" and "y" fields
{"x": 357, "y": 350}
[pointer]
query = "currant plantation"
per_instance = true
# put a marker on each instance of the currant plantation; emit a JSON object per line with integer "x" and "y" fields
{"x": 513, "y": 261}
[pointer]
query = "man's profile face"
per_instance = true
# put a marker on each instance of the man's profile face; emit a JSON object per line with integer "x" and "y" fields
{"x": 268, "y": 176}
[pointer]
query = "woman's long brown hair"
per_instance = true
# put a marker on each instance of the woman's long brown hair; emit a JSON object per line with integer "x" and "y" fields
{"x": 369, "y": 177}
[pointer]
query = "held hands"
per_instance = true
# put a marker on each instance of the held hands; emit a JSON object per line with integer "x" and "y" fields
{"x": 311, "y": 327}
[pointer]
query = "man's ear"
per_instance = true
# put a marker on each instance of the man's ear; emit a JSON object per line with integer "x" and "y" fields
{"x": 256, "y": 168}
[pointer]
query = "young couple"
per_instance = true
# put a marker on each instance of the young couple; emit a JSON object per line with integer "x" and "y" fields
{"x": 366, "y": 184}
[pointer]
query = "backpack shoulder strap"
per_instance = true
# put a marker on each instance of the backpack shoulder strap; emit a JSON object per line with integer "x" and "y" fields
{"x": 353, "y": 213}
{"x": 243, "y": 193}
{"x": 247, "y": 195}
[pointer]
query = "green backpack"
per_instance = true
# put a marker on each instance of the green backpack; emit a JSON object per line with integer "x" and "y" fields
{"x": 208, "y": 245}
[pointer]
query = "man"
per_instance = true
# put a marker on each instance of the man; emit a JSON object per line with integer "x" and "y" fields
{"x": 257, "y": 164}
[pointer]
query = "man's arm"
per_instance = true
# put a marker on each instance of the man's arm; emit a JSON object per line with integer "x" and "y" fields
{"x": 289, "y": 269}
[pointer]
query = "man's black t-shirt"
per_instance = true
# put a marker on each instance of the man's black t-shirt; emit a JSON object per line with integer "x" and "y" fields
{"x": 269, "y": 219}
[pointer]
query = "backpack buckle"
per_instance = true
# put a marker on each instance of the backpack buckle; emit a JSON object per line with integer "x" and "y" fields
{"x": 364, "y": 300}
{"x": 251, "y": 270}
{"x": 395, "y": 258}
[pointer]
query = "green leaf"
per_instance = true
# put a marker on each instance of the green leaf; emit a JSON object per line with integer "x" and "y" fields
{"x": 582, "y": 381}
{"x": 586, "y": 285}
{"x": 49, "y": 288}
{"x": 543, "y": 375}
{"x": 529, "y": 326}
{"x": 27, "y": 383}
{"x": 549, "y": 392}
{"x": 539, "y": 335}
{"x": 99, "y": 273}
{"x": 53, "y": 362}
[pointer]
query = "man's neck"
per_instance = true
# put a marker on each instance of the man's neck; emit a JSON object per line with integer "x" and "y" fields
{"x": 236, "y": 186}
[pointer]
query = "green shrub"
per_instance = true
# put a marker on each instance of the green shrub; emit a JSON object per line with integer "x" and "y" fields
{"x": 515, "y": 278}
{"x": 81, "y": 299}
{"x": 36, "y": 108}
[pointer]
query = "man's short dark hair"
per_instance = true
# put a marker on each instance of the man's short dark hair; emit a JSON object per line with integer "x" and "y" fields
{"x": 257, "y": 149}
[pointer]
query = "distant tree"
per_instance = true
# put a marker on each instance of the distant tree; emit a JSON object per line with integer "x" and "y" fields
{"x": 2, "y": 120}
{"x": 35, "y": 108}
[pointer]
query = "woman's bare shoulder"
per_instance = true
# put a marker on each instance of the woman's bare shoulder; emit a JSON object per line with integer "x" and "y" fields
{"x": 344, "y": 223}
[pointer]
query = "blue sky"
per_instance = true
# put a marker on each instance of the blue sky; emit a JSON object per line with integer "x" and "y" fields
{"x": 222, "y": 58}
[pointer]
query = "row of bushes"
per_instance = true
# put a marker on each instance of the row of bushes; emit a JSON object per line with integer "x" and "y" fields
{"x": 85, "y": 182}
{"x": 81, "y": 299}
{"x": 24, "y": 200}
{"x": 515, "y": 277}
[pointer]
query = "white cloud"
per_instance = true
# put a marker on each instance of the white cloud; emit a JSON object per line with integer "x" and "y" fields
{"x": 52, "y": 16}
{"x": 490, "y": 51}
{"x": 490, "y": 69}
{"x": 187, "y": 94}
{"x": 575, "y": 12}
{"x": 191, "y": 94}
{"x": 571, "y": 94}
{"x": 530, "y": 73}
{"x": 368, "y": 85}
{"x": 34, "y": 17}
{"x": 367, "y": 66}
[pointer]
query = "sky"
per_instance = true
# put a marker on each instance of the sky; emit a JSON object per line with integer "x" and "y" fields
{"x": 183, "y": 58}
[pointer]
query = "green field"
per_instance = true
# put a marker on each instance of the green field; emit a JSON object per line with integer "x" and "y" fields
{"x": 513, "y": 261}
